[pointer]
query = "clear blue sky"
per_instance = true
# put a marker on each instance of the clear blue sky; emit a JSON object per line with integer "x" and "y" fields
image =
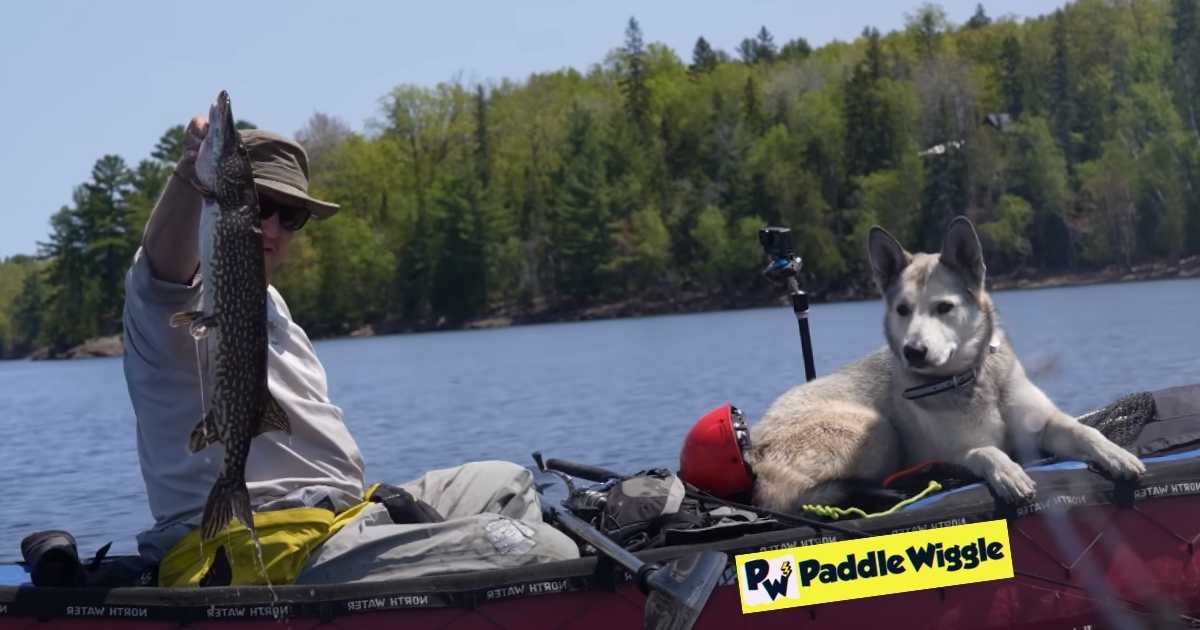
{"x": 80, "y": 79}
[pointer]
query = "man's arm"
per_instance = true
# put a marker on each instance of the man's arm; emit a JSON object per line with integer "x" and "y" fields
{"x": 169, "y": 241}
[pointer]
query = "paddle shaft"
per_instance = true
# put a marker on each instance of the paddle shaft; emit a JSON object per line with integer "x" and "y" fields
{"x": 604, "y": 544}
{"x": 583, "y": 471}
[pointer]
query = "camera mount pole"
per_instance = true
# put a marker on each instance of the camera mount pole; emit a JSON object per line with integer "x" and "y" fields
{"x": 800, "y": 308}
{"x": 783, "y": 267}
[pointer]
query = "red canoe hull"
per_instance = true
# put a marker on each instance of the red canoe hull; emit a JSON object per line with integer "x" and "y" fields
{"x": 1094, "y": 565}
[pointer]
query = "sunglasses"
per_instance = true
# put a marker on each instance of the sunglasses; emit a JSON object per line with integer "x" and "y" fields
{"x": 292, "y": 218}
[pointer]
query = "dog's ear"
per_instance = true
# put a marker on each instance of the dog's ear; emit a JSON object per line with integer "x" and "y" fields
{"x": 961, "y": 250}
{"x": 887, "y": 257}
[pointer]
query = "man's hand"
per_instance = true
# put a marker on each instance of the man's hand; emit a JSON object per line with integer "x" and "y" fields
{"x": 193, "y": 136}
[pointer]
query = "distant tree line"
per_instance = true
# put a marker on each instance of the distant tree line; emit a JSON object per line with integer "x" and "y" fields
{"x": 1072, "y": 140}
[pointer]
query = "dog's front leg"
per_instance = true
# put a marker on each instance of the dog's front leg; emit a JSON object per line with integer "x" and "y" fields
{"x": 1035, "y": 423}
{"x": 1005, "y": 476}
{"x": 1064, "y": 436}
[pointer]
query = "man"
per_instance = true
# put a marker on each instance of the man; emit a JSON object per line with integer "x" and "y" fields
{"x": 458, "y": 512}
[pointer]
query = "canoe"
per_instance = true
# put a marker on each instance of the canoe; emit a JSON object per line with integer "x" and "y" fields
{"x": 1089, "y": 552}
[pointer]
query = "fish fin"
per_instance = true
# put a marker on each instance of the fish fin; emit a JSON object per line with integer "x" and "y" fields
{"x": 274, "y": 418}
{"x": 228, "y": 500}
{"x": 220, "y": 573}
{"x": 205, "y": 432}
{"x": 184, "y": 318}
{"x": 197, "y": 322}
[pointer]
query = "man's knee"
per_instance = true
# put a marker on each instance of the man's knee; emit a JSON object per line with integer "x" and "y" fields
{"x": 555, "y": 545}
{"x": 499, "y": 470}
{"x": 477, "y": 487}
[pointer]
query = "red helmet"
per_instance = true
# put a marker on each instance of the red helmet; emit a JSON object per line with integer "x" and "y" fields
{"x": 714, "y": 453}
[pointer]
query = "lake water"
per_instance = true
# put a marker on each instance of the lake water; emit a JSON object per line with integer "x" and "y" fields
{"x": 619, "y": 393}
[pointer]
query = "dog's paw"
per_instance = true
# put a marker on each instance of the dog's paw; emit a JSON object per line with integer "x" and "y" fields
{"x": 1119, "y": 462}
{"x": 1012, "y": 483}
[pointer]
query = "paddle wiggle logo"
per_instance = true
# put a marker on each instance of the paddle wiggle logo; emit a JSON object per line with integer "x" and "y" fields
{"x": 765, "y": 580}
{"x": 878, "y": 565}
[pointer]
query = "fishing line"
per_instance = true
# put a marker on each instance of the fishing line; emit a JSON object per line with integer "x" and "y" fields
{"x": 262, "y": 567}
{"x": 203, "y": 404}
{"x": 200, "y": 375}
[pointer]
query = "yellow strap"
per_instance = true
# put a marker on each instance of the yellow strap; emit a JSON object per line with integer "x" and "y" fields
{"x": 835, "y": 513}
{"x": 286, "y": 538}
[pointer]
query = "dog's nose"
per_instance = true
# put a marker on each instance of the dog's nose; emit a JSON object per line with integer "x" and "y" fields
{"x": 914, "y": 354}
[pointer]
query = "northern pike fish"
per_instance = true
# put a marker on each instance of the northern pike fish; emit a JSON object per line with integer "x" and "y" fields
{"x": 233, "y": 310}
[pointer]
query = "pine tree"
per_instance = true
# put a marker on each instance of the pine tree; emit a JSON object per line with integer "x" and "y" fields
{"x": 795, "y": 50}
{"x": 927, "y": 26}
{"x": 414, "y": 272}
{"x": 867, "y": 147}
{"x": 980, "y": 19}
{"x": 718, "y": 154}
{"x": 460, "y": 278}
{"x": 1062, "y": 86}
{"x": 945, "y": 194}
{"x": 28, "y": 313}
{"x": 704, "y": 59}
{"x": 582, "y": 236}
{"x": 67, "y": 320}
{"x": 104, "y": 219}
{"x": 1093, "y": 103}
{"x": 747, "y": 51}
{"x": 1185, "y": 53}
{"x": 170, "y": 145}
{"x": 874, "y": 58}
{"x": 764, "y": 44}
{"x": 459, "y": 290}
{"x": 1040, "y": 175}
{"x": 752, "y": 106}
{"x": 1012, "y": 86}
{"x": 483, "y": 157}
{"x": 758, "y": 49}
{"x": 146, "y": 184}
{"x": 633, "y": 81}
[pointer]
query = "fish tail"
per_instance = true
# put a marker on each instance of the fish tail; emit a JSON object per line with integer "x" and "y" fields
{"x": 228, "y": 499}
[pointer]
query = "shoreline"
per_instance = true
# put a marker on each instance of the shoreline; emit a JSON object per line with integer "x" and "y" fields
{"x": 1186, "y": 268}
{"x": 695, "y": 302}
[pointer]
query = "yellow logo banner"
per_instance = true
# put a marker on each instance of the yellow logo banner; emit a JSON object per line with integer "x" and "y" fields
{"x": 880, "y": 565}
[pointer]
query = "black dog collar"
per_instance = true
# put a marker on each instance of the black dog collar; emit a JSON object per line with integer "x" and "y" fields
{"x": 937, "y": 387}
{"x": 947, "y": 384}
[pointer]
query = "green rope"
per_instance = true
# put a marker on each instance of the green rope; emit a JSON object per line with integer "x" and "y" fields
{"x": 835, "y": 513}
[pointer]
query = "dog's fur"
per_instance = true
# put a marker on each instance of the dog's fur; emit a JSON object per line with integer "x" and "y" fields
{"x": 856, "y": 425}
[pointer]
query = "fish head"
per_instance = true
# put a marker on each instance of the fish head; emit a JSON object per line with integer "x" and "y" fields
{"x": 221, "y": 153}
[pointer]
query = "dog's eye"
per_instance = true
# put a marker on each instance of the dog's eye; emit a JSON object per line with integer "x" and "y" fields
{"x": 944, "y": 307}
{"x": 903, "y": 310}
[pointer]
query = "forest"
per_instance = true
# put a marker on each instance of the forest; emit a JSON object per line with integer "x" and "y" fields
{"x": 1071, "y": 140}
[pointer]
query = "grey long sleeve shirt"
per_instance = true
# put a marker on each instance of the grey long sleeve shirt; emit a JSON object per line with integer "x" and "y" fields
{"x": 319, "y": 461}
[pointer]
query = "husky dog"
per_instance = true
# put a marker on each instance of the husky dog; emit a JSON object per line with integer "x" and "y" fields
{"x": 946, "y": 387}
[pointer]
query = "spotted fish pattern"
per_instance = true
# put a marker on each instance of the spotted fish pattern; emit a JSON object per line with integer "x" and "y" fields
{"x": 234, "y": 311}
